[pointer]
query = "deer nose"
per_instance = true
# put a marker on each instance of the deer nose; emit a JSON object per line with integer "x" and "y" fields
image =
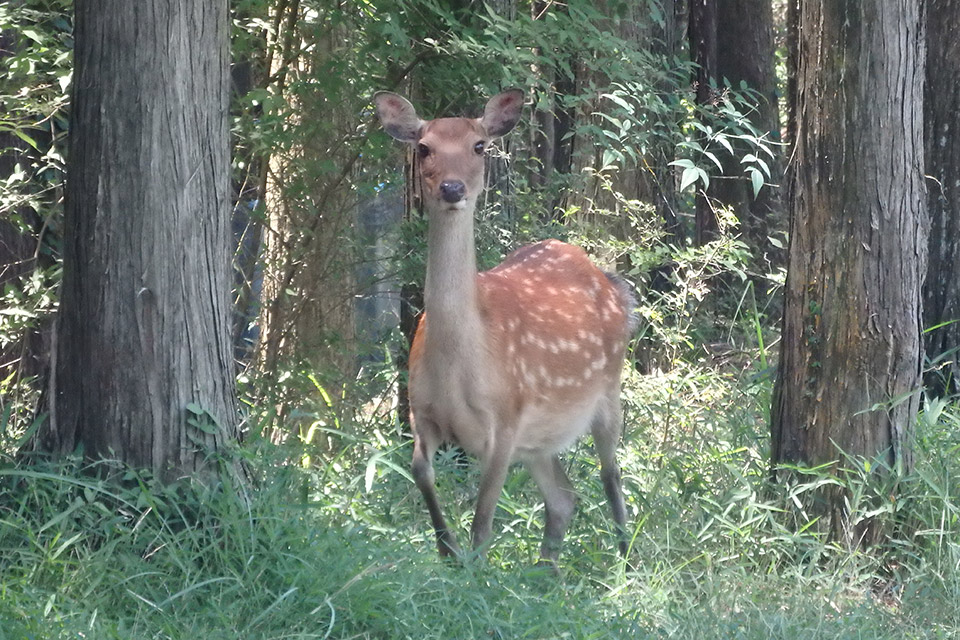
{"x": 452, "y": 191}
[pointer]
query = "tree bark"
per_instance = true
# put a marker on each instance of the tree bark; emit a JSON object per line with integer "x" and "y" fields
{"x": 702, "y": 34}
{"x": 307, "y": 319}
{"x": 553, "y": 140}
{"x": 143, "y": 369}
{"x": 745, "y": 55}
{"x": 941, "y": 300}
{"x": 849, "y": 369}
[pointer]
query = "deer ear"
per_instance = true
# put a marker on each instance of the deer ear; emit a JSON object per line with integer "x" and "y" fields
{"x": 502, "y": 112}
{"x": 398, "y": 116}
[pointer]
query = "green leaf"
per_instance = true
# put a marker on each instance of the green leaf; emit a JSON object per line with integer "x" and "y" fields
{"x": 764, "y": 166}
{"x": 704, "y": 177}
{"x": 756, "y": 179}
{"x": 714, "y": 158}
{"x": 623, "y": 104}
{"x": 725, "y": 142}
{"x": 370, "y": 473}
{"x": 610, "y": 157}
{"x": 20, "y": 134}
{"x": 690, "y": 176}
{"x": 683, "y": 162}
{"x": 33, "y": 35}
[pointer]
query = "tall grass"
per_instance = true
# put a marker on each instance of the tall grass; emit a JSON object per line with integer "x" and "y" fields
{"x": 342, "y": 549}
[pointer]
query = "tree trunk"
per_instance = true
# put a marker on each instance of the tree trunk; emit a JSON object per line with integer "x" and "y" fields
{"x": 745, "y": 54}
{"x": 307, "y": 320}
{"x": 850, "y": 359}
{"x": 143, "y": 368}
{"x": 702, "y": 34}
{"x": 941, "y": 300}
{"x": 553, "y": 141}
{"x": 658, "y": 186}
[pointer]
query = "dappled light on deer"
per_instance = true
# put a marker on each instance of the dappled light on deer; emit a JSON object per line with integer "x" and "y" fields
{"x": 516, "y": 363}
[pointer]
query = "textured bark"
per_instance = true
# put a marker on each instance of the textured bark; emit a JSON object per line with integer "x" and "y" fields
{"x": 702, "y": 33}
{"x": 941, "y": 300}
{"x": 143, "y": 367}
{"x": 793, "y": 59}
{"x": 553, "y": 143}
{"x": 745, "y": 54}
{"x": 657, "y": 185}
{"x": 411, "y": 293}
{"x": 850, "y": 359}
{"x": 307, "y": 319}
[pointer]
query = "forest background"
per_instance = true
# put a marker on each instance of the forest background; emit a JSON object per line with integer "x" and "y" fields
{"x": 731, "y": 159}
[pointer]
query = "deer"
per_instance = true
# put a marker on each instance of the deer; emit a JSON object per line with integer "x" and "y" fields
{"x": 516, "y": 363}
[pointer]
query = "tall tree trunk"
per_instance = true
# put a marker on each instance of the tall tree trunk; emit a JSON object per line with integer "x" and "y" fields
{"x": 702, "y": 34}
{"x": 657, "y": 185}
{"x": 745, "y": 54}
{"x": 143, "y": 367}
{"x": 553, "y": 143}
{"x": 307, "y": 319}
{"x": 793, "y": 60}
{"x": 849, "y": 369}
{"x": 941, "y": 300}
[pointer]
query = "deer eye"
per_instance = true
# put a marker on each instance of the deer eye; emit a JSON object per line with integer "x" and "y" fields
{"x": 479, "y": 147}
{"x": 423, "y": 150}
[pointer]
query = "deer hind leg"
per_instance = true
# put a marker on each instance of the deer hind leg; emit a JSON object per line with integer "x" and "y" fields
{"x": 559, "y": 501}
{"x": 425, "y": 446}
{"x": 606, "y": 428}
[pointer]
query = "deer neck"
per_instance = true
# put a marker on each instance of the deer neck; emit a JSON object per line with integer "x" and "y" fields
{"x": 450, "y": 294}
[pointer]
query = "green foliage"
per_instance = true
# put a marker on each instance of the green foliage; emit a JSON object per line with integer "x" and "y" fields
{"x": 715, "y": 134}
{"x": 34, "y": 79}
{"x": 717, "y": 551}
{"x": 332, "y": 540}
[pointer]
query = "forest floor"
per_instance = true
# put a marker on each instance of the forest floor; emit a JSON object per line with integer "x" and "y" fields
{"x": 340, "y": 547}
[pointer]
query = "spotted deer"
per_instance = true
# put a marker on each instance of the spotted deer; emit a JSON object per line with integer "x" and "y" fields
{"x": 512, "y": 364}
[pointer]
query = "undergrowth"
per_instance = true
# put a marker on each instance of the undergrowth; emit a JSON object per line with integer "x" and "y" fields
{"x": 341, "y": 548}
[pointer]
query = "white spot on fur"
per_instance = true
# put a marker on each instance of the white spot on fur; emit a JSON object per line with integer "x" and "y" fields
{"x": 599, "y": 363}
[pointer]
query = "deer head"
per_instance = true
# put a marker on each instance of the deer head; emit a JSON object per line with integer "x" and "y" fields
{"x": 450, "y": 151}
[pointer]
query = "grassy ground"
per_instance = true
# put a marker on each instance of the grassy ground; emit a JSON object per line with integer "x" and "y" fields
{"x": 342, "y": 549}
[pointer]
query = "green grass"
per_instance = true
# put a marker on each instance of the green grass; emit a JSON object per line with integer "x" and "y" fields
{"x": 342, "y": 549}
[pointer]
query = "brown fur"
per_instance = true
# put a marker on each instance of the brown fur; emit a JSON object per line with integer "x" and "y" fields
{"x": 515, "y": 363}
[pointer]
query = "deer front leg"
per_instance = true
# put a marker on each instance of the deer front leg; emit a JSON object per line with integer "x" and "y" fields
{"x": 423, "y": 450}
{"x": 494, "y": 474}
